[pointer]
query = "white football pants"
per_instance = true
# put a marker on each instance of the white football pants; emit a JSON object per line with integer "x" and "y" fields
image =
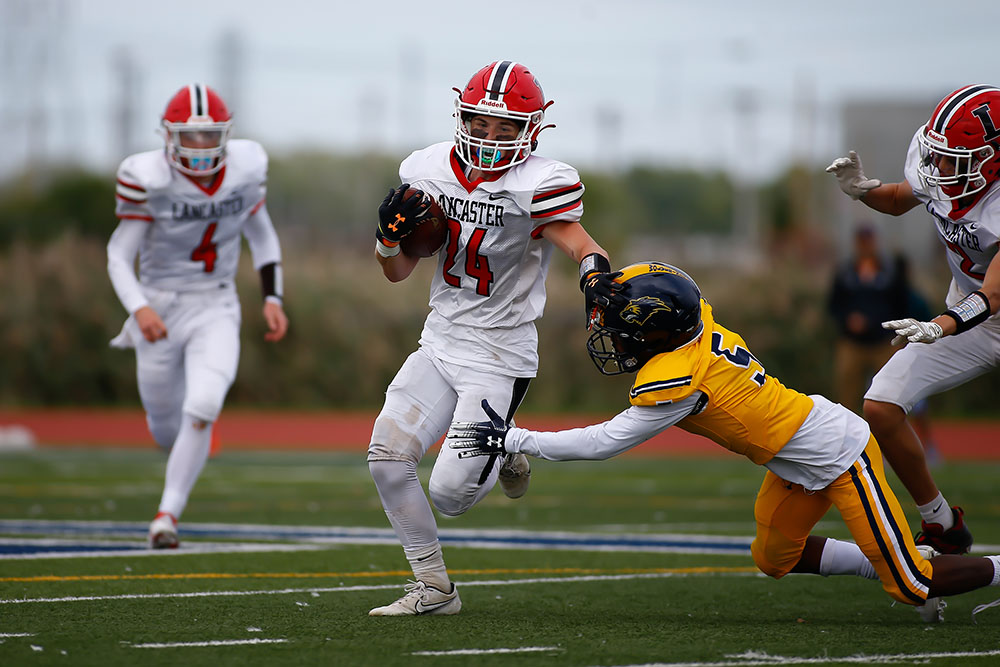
{"x": 190, "y": 371}
{"x": 423, "y": 399}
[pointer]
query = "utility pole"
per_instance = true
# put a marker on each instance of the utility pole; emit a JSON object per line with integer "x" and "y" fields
{"x": 232, "y": 55}
{"x": 124, "y": 114}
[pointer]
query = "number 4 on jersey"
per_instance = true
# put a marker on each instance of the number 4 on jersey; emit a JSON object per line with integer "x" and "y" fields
{"x": 206, "y": 252}
{"x": 477, "y": 265}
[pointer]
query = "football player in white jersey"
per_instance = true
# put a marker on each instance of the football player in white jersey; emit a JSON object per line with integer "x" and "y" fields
{"x": 184, "y": 210}
{"x": 952, "y": 169}
{"x": 507, "y": 209}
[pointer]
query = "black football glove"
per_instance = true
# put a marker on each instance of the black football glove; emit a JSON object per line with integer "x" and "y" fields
{"x": 601, "y": 290}
{"x": 476, "y": 438}
{"x": 397, "y": 217}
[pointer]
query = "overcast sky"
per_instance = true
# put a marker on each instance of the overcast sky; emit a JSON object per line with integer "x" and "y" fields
{"x": 743, "y": 86}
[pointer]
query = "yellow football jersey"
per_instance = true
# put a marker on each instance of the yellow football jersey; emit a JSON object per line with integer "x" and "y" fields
{"x": 748, "y": 411}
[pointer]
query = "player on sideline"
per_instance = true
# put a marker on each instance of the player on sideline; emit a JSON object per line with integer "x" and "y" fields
{"x": 507, "y": 209}
{"x": 951, "y": 169}
{"x": 184, "y": 210}
{"x": 694, "y": 373}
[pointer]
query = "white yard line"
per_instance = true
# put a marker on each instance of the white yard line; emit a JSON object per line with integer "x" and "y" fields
{"x": 382, "y": 587}
{"x": 214, "y": 642}
{"x": 758, "y": 659}
{"x": 5, "y": 635}
{"x": 490, "y": 651}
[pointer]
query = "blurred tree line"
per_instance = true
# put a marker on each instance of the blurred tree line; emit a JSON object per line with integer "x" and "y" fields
{"x": 351, "y": 329}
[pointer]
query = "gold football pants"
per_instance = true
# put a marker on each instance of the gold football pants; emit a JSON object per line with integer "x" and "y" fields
{"x": 786, "y": 513}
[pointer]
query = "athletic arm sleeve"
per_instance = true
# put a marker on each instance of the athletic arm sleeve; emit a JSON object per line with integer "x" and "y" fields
{"x": 602, "y": 441}
{"x": 262, "y": 239}
{"x": 122, "y": 249}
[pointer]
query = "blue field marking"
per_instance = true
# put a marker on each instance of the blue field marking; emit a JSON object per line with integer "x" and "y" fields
{"x": 23, "y": 547}
{"x": 316, "y": 535}
{"x": 33, "y": 548}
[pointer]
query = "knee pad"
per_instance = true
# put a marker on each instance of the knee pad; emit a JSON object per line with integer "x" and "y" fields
{"x": 205, "y": 396}
{"x": 446, "y": 503}
{"x": 766, "y": 564}
{"x": 393, "y": 442}
{"x": 456, "y": 484}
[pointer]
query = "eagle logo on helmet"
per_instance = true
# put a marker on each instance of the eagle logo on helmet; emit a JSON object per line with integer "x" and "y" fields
{"x": 638, "y": 311}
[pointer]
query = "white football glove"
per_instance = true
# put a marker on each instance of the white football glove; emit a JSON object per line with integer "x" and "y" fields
{"x": 851, "y": 176}
{"x": 913, "y": 330}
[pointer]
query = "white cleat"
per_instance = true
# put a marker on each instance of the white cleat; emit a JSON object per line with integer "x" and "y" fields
{"x": 931, "y": 611}
{"x": 163, "y": 532}
{"x": 421, "y": 599}
{"x": 515, "y": 475}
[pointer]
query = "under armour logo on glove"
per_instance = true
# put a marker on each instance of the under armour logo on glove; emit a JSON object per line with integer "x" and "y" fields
{"x": 479, "y": 437}
{"x": 398, "y": 215}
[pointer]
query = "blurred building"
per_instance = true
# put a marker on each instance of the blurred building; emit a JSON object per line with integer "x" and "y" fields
{"x": 880, "y": 131}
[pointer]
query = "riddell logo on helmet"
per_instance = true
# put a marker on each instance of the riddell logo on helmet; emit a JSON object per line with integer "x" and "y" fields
{"x": 494, "y": 104}
{"x": 934, "y": 136}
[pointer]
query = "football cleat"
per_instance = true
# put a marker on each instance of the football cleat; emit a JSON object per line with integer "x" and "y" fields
{"x": 515, "y": 474}
{"x": 421, "y": 599}
{"x": 163, "y": 532}
{"x": 932, "y": 611}
{"x": 955, "y": 540}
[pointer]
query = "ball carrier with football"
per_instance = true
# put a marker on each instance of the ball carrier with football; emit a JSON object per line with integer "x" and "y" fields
{"x": 417, "y": 227}
{"x": 504, "y": 210}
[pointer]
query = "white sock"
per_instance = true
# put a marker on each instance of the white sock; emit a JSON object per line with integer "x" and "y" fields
{"x": 845, "y": 558}
{"x": 428, "y": 567}
{"x": 187, "y": 458}
{"x": 937, "y": 511}
{"x": 996, "y": 570}
{"x": 411, "y": 517}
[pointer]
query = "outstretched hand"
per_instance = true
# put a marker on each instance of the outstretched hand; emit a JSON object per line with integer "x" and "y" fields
{"x": 851, "y": 176}
{"x": 485, "y": 437}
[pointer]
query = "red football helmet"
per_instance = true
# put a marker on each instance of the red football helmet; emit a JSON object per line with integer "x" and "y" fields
{"x": 960, "y": 145}
{"x": 503, "y": 89}
{"x": 196, "y": 123}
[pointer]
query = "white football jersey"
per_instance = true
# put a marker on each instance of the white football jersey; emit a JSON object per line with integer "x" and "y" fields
{"x": 971, "y": 241}
{"x": 194, "y": 236}
{"x": 489, "y": 286}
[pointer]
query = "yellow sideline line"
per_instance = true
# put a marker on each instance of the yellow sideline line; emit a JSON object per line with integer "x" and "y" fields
{"x": 366, "y": 575}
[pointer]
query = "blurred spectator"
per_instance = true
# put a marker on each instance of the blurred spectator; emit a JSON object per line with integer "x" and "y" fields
{"x": 869, "y": 287}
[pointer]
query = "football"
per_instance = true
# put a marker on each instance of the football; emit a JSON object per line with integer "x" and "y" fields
{"x": 428, "y": 236}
